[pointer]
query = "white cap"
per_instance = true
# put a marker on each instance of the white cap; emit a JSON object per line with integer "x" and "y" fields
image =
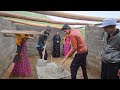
{"x": 108, "y": 21}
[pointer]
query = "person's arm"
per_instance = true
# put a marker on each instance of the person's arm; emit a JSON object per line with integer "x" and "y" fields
{"x": 64, "y": 39}
{"x": 30, "y": 36}
{"x": 59, "y": 38}
{"x": 73, "y": 49}
{"x": 74, "y": 46}
{"x": 54, "y": 39}
{"x": 41, "y": 42}
{"x": 118, "y": 73}
{"x": 26, "y": 36}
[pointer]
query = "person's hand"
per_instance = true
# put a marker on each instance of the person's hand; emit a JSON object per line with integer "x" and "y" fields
{"x": 42, "y": 48}
{"x": 30, "y": 37}
{"x": 57, "y": 41}
{"x": 118, "y": 73}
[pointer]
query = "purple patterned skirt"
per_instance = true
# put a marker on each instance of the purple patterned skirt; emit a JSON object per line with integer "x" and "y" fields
{"x": 22, "y": 68}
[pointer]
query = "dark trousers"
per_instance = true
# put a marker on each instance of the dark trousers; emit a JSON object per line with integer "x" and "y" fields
{"x": 40, "y": 53}
{"x": 18, "y": 53}
{"x": 110, "y": 70}
{"x": 79, "y": 60}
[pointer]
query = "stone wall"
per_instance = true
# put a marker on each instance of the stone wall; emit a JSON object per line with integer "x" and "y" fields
{"x": 94, "y": 40}
{"x": 7, "y": 46}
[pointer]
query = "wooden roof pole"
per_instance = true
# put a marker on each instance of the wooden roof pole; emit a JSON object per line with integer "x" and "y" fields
{"x": 71, "y": 16}
{"x": 39, "y": 19}
{"x": 32, "y": 24}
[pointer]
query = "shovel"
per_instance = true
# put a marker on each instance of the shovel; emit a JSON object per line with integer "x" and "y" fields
{"x": 63, "y": 62}
{"x": 60, "y": 67}
{"x": 42, "y": 62}
{"x": 44, "y": 52}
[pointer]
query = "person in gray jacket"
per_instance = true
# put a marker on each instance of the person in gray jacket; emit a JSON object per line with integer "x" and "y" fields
{"x": 111, "y": 50}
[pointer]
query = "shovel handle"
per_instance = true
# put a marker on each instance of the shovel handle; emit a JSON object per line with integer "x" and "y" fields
{"x": 63, "y": 62}
{"x": 44, "y": 52}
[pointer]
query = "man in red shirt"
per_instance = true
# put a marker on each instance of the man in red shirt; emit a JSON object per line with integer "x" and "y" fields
{"x": 78, "y": 44}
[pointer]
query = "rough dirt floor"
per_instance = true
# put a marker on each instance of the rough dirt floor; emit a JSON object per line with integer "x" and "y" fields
{"x": 33, "y": 62}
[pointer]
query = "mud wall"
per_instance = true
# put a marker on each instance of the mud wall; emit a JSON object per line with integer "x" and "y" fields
{"x": 94, "y": 40}
{"x": 7, "y": 45}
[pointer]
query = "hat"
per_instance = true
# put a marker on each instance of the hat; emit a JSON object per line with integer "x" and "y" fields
{"x": 108, "y": 21}
{"x": 66, "y": 27}
{"x": 48, "y": 28}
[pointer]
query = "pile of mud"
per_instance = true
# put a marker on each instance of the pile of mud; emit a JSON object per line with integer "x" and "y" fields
{"x": 51, "y": 71}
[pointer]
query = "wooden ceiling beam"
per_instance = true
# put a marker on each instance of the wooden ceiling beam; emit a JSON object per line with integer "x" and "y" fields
{"x": 71, "y": 16}
{"x": 4, "y": 14}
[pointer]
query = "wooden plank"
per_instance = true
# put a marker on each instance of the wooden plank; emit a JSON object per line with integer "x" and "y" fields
{"x": 34, "y": 24}
{"x": 20, "y": 32}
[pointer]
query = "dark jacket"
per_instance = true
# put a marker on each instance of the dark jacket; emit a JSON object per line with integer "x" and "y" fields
{"x": 56, "y": 38}
{"x": 42, "y": 39}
